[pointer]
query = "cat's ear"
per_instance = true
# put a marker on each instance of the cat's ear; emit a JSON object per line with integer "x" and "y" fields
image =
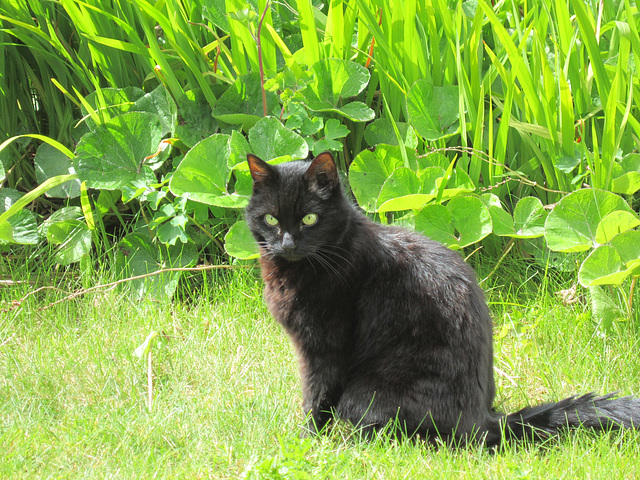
{"x": 323, "y": 172}
{"x": 260, "y": 170}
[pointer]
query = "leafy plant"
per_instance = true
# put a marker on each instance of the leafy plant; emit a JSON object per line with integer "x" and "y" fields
{"x": 602, "y": 223}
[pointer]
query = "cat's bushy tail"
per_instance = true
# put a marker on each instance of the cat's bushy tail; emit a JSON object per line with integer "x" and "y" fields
{"x": 543, "y": 421}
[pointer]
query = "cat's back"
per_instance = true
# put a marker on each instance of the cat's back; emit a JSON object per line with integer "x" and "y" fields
{"x": 415, "y": 282}
{"x": 411, "y": 255}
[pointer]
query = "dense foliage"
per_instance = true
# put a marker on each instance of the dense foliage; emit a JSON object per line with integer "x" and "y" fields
{"x": 127, "y": 123}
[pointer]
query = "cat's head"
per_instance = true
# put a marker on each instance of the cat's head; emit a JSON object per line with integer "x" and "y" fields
{"x": 297, "y": 208}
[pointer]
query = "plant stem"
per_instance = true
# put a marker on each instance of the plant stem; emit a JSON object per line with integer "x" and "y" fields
{"x": 150, "y": 381}
{"x": 259, "y": 42}
{"x": 504, "y": 254}
{"x": 630, "y": 300}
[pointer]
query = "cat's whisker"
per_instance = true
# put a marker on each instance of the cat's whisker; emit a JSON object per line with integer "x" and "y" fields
{"x": 339, "y": 261}
{"x": 330, "y": 265}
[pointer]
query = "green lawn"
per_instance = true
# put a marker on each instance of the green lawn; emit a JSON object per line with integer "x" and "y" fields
{"x": 73, "y": 398}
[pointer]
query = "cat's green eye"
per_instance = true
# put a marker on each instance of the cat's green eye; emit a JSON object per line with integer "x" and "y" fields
{"x": 310, "y": 219}
{"x": 270, "y": 220}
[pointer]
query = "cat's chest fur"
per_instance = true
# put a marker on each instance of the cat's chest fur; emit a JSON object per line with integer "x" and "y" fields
{"x": 316, "y": 307}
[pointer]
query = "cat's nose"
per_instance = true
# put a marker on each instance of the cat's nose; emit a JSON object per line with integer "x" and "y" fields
{"x": 288, "y": 243}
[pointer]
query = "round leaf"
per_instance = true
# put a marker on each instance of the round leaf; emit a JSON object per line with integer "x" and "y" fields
{"x": 500, "y": 218}
{"x": 628, "y": 246}
{"x": 138, "y": 255}
{"x": 405, "y": 190}
{"x": 529, "y": 217}
{"x": 432, "y": 110}
{"x": 435, "y": 221}
{"x": 467, "y": 215}
{"x": 50, "y": 162}
{"x": 335, "y": 80}
{"x": 628, "y": 182}
{"x": 381, "y": 131}
{"x": 602, "y": 267}
{"x": 239, "y": 243}
{"x": 196, "y": 122}
{"x": 369, "y": 171}
{"x": 242, "y": 103}
{"x": 615, "y": 223}
{"x": 471, "y": 219}
{"x": 270, "y": 139}
{"x": 21, "y": 226}
{"x": 572, "y": 224}
{"x": 73, "y": 238}
{"x": 204, "y": 172}
{"x": 113, "y": 155}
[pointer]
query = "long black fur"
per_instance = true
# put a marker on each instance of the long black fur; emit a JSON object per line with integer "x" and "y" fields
{"x": 391, "y": 328}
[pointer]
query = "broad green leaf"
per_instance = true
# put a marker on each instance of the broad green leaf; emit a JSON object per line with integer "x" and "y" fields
{"x": 20, "y": 226}
{"x": 354, "y": 111}
{"x": 368, "y": 172}
{"x": 239, "y": 243}
{"x": 6, "y": 232}
{"x": 406, "y": 190}
{"x": 114, "y": 154}
{"x": 50, "y": 162}
{"x": 116, "y": 102}
{"x": 501, "y": 219}
{"x": 239, "y": 148}
{"x": 65, "y": 213}
{"x": 628, "y": 246}
{"x": 430, "y": 179}
{"x": 432, "y": 110}
{"x": 603, "y": 266}
{"x": 466, "y": 215}
{"x": 333, "y": 81}
{"x": 244, "y": 183}
{"x": 242, "y": 103}
{"x": 73, "y": 238}
{"x": 471, "y": 219}
{"x": 204, "y": 173}
{"x": 333, "y": 130}
{"x": 434, "y": 159}
{"x": 435, "y": 221}
{"x": 270, "y": 139}
{"x": 196, "y": 122}
{"x": 604, "y": 310}
{"x": 160, "y": 102}
{"x": 24, "y": 228}
{"x": 138, "y": 255}
{"x": 572, "y": 224}
{"x": 529, "y": 218}
{"x": 459, "y": 183}
{"x": 566, "y": 163}
{"x": 402, "y": 181}
{"x": 132, "y": 99}
{"x": 628, "y": 182}
{"x": 381, "y": 131}
{"x": 615, "y": 223}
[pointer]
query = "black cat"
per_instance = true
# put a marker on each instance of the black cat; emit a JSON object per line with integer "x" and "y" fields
{"x": 391, "y": 328}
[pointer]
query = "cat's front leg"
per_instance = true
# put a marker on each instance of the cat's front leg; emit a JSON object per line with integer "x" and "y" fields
{"x": 321, "y": 391}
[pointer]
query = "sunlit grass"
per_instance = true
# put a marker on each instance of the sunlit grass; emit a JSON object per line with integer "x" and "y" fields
{"x": 226, "y": 394}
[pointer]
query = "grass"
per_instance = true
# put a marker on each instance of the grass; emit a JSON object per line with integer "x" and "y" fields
{"x": 73, "y": 398}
